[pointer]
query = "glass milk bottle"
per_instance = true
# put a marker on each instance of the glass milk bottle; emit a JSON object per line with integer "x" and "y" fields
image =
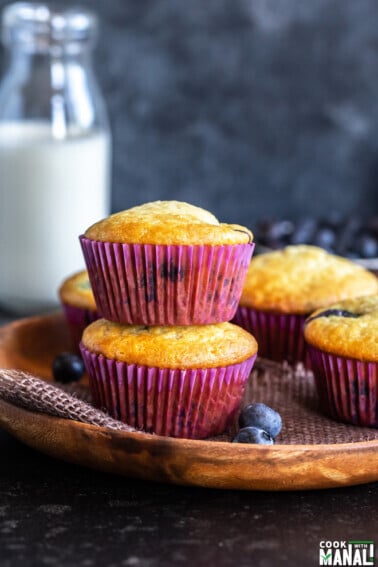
{"x": 54, "y": 151}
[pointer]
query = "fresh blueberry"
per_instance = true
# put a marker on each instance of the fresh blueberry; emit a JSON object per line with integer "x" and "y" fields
{"x": 367, "y": 246}
{"x": 304, "y": 231}
{"x": 261, "y": 416}
{"x": 334, "y": 313}
{"x": 68, "y": 367}
{"x": 347, "y": 234}
{"x": 325, "y": 238}
{"x": 253, "y": 435}
{"x": 274, "y": 232}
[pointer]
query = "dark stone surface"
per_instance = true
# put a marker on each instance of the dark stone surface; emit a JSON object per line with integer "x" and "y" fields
{"x": 53, "y": 513}
{"x": 249, "y": 108}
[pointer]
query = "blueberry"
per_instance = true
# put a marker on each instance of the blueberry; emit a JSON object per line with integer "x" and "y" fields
{"x": 304, "y": 231}
{"x": 253, "y": 435}
{"x": 334, "y": 313}
{"x": 367, "y": 246}
{"x": 270, "y": 232}
{"x": 261, "y": 416}
{"x": 325, "y": 238}
{"x": 68, "y": 367}
{"x": 280, "y": 229}
{"x": 347, "y": 234}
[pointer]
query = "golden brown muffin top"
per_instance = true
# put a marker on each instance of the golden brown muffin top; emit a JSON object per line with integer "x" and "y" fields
{"x": 300, "y": 279}
{"x": 167, "y": 222}
{"x": 76, "y": 291}
{"x": 200, "y": 346}
{"x": 348, "y": 328}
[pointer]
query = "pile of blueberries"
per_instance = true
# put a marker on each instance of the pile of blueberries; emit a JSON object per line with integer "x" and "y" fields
{"x": 350, "y": 236}
{"x": 258, "y": 424}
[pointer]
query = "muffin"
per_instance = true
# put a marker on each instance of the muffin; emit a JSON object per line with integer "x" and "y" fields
{"x": 166, "y": 263}
{"x": 343, "y": 346}
{"x": 176, "y": 381}
{"x": 283, "y": 287}
{"x": 78, "y": 304}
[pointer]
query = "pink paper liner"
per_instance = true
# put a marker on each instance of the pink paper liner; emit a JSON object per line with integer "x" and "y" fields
{"x": 194, "y": 404}
{"x": 347, "y": 387}
{"x": 149, "y": 284}
{"x": 77, "y": 319}
{"x": 279, "y": 336}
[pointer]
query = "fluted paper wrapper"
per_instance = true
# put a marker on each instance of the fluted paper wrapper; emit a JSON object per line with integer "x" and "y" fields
{"x": 77, "y": 319}
{"x": 145, "y": 284}
{"x": 279, "y": 336}
{"x": 347, "y": 387}
{"x": 195, "y": 403}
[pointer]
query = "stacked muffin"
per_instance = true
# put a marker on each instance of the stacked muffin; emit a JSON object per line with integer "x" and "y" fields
{"x": 167, "y": 277}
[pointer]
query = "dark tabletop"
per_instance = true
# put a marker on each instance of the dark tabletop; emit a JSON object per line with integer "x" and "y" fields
{"x": 55, "y": 513}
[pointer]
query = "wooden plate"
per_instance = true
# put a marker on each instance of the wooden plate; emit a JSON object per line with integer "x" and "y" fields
{"x": 31, "y": 344}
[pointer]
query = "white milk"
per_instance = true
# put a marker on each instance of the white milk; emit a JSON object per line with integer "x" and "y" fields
{"x": 50, "y": 192}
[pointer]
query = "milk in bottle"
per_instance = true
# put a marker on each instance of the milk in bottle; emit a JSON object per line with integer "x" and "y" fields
{"x": 54, "y": 152}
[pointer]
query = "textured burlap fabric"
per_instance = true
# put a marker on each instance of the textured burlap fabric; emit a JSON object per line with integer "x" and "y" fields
{"x": 31, "y": 393}
{"x": 290, "y": 391}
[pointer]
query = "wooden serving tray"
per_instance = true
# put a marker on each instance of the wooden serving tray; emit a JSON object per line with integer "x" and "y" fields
{"x": 311, "y": 452}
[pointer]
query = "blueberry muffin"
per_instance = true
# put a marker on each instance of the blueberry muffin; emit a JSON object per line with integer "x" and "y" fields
{"x": 178, "y": 381}
{"x": 78, "y": 303}
{"x": 283, "y": 287}
{"x": 166, "y": 263}
{"x": 343, "y": 347}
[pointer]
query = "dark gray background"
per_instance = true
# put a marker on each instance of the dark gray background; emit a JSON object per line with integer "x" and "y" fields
{"x": 246, "y": 107}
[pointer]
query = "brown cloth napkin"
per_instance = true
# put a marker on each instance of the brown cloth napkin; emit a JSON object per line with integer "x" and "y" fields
{"x": 31, "y": 393}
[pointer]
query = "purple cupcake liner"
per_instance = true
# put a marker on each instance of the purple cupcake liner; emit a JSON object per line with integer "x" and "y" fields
{"x": 194, "y": 404}
{"x": 347, "y": 388}
{"x": 145, "y": 284}
{"x": 279, "y": 336}
{"x": 77, "y": 319}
